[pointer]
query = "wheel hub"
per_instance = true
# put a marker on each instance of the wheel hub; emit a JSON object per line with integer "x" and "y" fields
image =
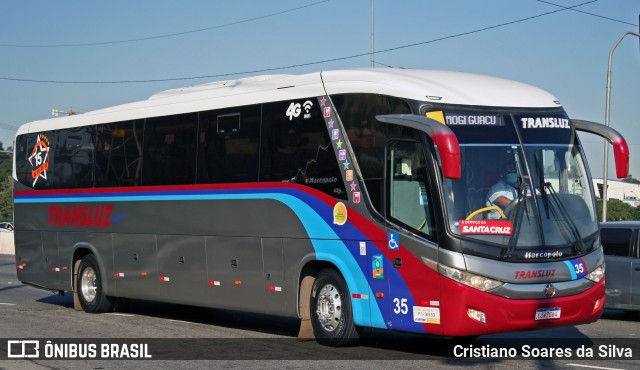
{"x": 88, "y": 284}
{"x": 329, "y": 307}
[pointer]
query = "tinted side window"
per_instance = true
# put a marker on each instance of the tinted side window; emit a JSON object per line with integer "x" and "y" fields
{"x": 616, "y": 242}
{"x": 170, "y": 150}
{"x": 228, "y": 142}
{"x": 118, "y": 152}
{"x": 367, "y": 136}
{"x": 298, "y": 149}
{"x": 22, "y": 170}
{"x": 73, "y": 158}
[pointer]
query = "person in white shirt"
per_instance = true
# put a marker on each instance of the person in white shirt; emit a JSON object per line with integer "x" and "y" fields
{"x": 502, "y": 193}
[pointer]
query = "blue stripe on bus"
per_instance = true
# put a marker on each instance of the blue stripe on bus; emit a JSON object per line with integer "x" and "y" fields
{"x": 571, "y": 270}
{"x": 319, "y": 228}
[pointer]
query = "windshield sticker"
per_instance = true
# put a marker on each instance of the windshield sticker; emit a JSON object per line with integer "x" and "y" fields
{"x": 546, "y": 122}
{"x": 485, "y": 227}
{"x": 465, "y": 119}
{"x": 39, "y": 159}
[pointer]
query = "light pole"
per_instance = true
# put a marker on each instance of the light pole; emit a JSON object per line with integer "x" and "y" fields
{"x": 372, "y": 19}
{"x": 606, "y": 122}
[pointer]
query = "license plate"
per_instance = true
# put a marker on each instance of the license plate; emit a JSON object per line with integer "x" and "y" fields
{"x": 548, "y": 313}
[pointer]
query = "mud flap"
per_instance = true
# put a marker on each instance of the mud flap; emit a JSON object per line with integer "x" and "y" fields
{"x": 304, "y": 305}
{"x": 76, "y": 300}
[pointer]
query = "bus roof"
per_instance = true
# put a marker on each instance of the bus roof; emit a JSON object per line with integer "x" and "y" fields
{"x": 443, "y": 87}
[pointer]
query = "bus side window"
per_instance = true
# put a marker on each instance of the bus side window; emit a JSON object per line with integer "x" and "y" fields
{"x": 170, "y": 150}
{"x": 228, "y": 142}
{"x": 74, "y": 158}
{"x": 298, "y": 149}
{"x": 118, "y": 153}
{"x": 408, "y": 193}
{"x": 368, "y": 136}
{"x": 22, "y": 165}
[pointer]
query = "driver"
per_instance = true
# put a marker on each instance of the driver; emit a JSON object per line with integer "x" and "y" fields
{"x": 502, "y": 193}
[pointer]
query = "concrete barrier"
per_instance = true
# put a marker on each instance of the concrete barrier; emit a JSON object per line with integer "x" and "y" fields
{"x": 6, "y": 243}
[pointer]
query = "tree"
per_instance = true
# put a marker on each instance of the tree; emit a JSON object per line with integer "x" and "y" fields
{"x": 6, "y": 199}
{"x": 631, "y": 180}
{"x": 618, "y": 210}
{"x": 6, "y": 188}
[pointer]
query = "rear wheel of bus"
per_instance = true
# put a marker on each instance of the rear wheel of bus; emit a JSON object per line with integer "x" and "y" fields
{"x": 331, "y": 310}
{"x": 89, "y": 286}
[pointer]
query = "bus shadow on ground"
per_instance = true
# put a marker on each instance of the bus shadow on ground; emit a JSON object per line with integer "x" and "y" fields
{"x": 374, "y": 343}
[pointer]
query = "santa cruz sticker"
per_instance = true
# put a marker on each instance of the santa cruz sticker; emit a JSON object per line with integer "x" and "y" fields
{"x": 485, "y": 227}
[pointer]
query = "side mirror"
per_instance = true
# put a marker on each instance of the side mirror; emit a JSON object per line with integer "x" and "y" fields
{"x": 442, "y": 136}
{"x": 620, "y": 147}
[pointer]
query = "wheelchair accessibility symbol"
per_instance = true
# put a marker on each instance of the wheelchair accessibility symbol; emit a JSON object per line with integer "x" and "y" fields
{"x": 393, "y": 241}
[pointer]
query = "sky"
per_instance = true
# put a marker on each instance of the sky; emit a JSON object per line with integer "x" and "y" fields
{"x": 83, "y": 55}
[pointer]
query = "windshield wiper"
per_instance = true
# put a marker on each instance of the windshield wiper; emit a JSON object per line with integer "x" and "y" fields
{"x": 579, "y": 246}
{"x": 508, "y": 253}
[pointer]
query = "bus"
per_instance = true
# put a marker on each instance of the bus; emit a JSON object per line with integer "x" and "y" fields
{"x": 347, "y": 199}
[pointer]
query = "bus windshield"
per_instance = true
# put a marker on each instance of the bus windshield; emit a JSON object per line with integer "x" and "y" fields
{"x": 524, "y": 184}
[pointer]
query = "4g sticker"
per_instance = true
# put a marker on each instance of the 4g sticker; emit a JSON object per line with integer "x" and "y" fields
{"x": 295, "y": 109}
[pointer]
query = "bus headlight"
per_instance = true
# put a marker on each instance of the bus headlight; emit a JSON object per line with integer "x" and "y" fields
{"x": 597, "y": 274}
{"x": 474, "y": 281}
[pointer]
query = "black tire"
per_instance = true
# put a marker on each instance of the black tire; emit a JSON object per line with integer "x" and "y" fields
{"x": 331, "y": 311}
{"x": 89, "y": 286}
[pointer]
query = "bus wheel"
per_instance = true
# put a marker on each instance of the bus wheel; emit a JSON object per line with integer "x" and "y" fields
{"x": 89, "y": 285}
{"x": 331, "y": 313}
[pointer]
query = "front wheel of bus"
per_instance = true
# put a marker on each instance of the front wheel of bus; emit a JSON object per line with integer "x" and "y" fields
{"x": 331, "y": 313}
{"x": 89, "y": 285}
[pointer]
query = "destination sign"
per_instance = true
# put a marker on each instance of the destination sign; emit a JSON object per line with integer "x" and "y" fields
{"x": 471, "y": 119}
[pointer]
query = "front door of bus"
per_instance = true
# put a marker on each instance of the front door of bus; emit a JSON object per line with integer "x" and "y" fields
{"x": 413, "y": 286}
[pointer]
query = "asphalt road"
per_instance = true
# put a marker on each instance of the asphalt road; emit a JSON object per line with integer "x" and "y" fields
{"x": 179, "y": 336}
